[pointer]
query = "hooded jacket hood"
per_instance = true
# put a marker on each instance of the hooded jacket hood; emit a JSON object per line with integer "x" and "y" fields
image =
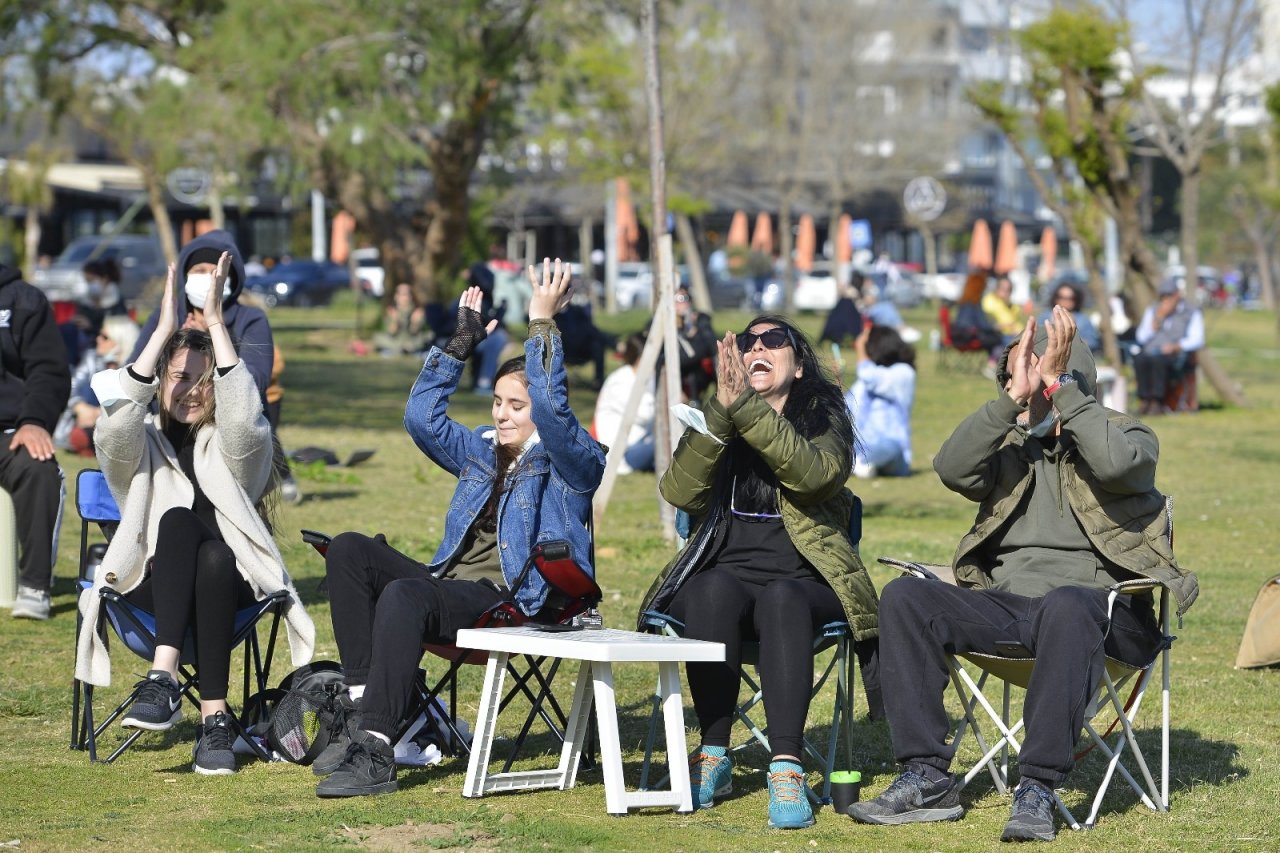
{"x": 208, "y": 247}
{"x": 1080, "y": 363}
{"x": 9, "y": 274}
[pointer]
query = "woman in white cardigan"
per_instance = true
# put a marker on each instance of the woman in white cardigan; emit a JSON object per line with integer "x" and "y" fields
{"x": 192, "y": 546}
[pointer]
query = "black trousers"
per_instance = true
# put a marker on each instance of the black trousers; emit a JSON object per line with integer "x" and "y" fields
{"x": 783, "y": 615}
{"x": 921, "y": 621}
{"x": 384, "y": 607}
{"x": 1155, "y": 372}
{"x": 37, "y": 491}
{"x": 194, "y": 583}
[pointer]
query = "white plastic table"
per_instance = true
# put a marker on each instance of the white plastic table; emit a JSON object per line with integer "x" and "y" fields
{"x": 598, "y": 650}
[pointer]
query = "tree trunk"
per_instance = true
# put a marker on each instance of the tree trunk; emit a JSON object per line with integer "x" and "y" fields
{"x": 1262, "y": 257}
{"x": 1191, "y": 229}
{"x": 160, "y": 214}
{"x": 31, "y": 242}
{"x": 217, "y": 213}
{"x": 785, "y": 242}
{"x": 1218, "y": 378}
{"x": 693, "y": 258}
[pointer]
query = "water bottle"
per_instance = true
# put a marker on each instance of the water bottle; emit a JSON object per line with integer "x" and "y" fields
{"x": 935, "y": 340}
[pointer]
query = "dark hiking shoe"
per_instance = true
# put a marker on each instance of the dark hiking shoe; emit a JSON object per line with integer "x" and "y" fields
{"x": 213, "y": 755}
{"x": 1032, "y": 818}
{"x": 911, "y": 798}
{"x": 346, "y": 719}
{"x": 158, "y": 704}
{"x": 369, "y": 767}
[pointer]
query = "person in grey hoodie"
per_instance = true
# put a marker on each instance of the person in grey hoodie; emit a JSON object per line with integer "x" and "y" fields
{"x": 250, "y": 330}
{"x": 1067, "y": 507}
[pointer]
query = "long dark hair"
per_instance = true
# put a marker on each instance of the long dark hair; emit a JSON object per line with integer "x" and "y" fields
{"x": 504, "y": 454}
{"x": 815, "y": 405}
{"x": 886, "y": 348}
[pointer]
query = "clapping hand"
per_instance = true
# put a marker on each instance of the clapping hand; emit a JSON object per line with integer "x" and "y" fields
{"x": 731, "y": 373}
{"x": 213, "y": 300}
{"x": 473, "y": 300}
{"x": 167, "y": 323}
{"x": 552, "y": 293}
{"x": 1024, "y": 381}
{"x": 1061, "y": 331}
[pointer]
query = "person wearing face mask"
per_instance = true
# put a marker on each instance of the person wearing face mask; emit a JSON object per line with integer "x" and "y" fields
{"x": 248, "y": 325}
{"x": 194, "y": 543}
{"x": 1067, "y": 507}
{"x": 385, "y": 604}
{"x": 769, "y": 557}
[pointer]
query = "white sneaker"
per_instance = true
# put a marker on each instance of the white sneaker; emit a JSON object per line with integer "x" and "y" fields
{"x": 31, "y": 604}
{"x": 864, "y": 470}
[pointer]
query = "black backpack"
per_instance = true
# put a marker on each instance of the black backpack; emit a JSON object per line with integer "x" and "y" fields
{"x": 301, "y": 716}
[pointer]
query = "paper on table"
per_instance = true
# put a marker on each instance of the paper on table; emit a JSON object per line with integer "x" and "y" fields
{"x": 693, "y": 419}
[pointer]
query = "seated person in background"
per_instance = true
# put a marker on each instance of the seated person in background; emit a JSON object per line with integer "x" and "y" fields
{"x": 769, "y": 557}
{"x": 697, "y": 347}
{"x": 114, "y": 343}
{"x": 194, "y": 544}
{"x": 999, "y": 307}
{"x": 529, "y": 478}
{"x": 1171, "y": 329}
{"x": 844, "y": 320}
{"x": 1071, "y": 298}
{"x": 583, "y": 341}
{"x": 611, "y": 404}
{"x": 971, "y": 323}
{"x": 880, "y": 402}
{"x": 1067, "y": 506}
{"x": 403, "y": 324}
{"x": 488, "y": 351}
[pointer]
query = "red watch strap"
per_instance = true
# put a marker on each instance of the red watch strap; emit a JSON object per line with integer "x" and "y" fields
{"x": 1048, "y": 392}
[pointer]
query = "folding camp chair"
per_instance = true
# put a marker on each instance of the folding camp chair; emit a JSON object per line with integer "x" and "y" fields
{"x": 572, "y": 601}
{"x": 953, "y": 355}
{"x": 1016, "y": 672}
{"x": 834, "y": 635}
{"x": 136, "y": 628}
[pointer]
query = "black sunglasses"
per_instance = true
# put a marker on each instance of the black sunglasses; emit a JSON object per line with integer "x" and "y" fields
{"x": 771, "y": 338}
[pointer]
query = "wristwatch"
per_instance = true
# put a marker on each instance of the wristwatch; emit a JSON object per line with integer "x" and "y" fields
{"x": 1063, "y": 379}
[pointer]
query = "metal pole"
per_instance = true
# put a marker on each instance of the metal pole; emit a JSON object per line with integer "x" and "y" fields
{"x": 318, "y": 248}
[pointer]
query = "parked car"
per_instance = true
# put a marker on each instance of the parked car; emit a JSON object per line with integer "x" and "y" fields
{"x": 816, "y": 290}
{"x": 635, "y": 285}
{"x": 300, "y": 283}
{"x": 369, "y": 271}
{"x": 139, "y": 258}
{"x": 729, "y": 292}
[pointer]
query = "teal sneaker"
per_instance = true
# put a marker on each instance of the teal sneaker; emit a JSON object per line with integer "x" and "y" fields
{"x": 788, "y": 800}
{"x": 710, "y": 775}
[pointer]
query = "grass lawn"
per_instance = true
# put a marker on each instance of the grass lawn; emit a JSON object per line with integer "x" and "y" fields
{"x": 1221, "y": 465}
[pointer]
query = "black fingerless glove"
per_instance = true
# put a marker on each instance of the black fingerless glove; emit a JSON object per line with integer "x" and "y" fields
{"x": 470, "y": 332}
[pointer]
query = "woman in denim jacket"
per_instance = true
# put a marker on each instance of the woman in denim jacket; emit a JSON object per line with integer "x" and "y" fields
{"x": 527, "y": 479}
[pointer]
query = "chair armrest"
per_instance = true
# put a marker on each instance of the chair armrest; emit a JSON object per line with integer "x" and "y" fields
{"x": 661, "y": 623}
{"x": 1136, "y": 586}
{"x": 316, "y": 539}
{"x": 928, "y": 571}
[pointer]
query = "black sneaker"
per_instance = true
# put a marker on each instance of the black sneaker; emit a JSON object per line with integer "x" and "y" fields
{"x": 346, "y": 719}
{"x": 158, "y": 704}
{"x": 1032, "y": 818}
{"x": 911, "y": 798}
{"x": 369, "y": 767}
{"x": 213, "y": 755}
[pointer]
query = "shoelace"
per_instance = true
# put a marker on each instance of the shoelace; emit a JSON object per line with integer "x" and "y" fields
{"x": 218, "y": 733}
{"x": 377, "y": 760}
{"x": 786, "y": 785}
{"x": 154, "y": 691}
{"x": 701, "y": 761}
{"x": 1030, "y": 798}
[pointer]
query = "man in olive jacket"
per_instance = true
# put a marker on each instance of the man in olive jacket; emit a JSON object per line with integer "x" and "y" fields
{"x": 1067, "y": 507}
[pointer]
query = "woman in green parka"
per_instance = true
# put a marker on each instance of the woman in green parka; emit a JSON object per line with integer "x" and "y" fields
{"x": 770, "y": 556}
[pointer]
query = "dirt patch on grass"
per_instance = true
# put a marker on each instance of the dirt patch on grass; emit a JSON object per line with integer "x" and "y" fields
{"x": 411, "y": 836}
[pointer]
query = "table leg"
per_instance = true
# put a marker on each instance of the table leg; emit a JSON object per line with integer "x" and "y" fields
{"x": 486, "y": 720}
{"x": 578, "y": 727}
{"x": 615, "y": 793}
{"x": 673, "y": 718}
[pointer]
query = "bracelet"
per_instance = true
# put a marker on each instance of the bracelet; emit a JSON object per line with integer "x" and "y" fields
{"x": 211, "y": 325}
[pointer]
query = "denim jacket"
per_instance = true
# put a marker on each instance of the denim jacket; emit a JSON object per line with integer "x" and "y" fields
{"x": 550, "y": 494}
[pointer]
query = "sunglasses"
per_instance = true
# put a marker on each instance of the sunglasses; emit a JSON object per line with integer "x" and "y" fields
{"x": 771, "y": 338}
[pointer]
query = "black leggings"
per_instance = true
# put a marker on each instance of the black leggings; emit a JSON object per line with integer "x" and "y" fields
{"x": 784, "y": 615}
{"x": 192, "y": 564}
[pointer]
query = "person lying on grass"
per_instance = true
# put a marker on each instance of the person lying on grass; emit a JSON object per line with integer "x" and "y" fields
{"x": 527, "y": 479}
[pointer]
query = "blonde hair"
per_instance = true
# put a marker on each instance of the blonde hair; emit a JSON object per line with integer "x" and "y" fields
{"x": 123, "y": 333}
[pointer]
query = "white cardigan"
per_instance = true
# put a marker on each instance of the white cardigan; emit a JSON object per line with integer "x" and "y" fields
{"x": 233, "y": 459}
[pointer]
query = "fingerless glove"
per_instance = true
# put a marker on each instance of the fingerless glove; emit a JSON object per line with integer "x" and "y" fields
{"x": 470, "y": 332}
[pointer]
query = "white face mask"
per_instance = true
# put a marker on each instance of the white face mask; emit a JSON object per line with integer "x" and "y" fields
{"x": 1043, "y": 428}
{"x": 197, "y": 288}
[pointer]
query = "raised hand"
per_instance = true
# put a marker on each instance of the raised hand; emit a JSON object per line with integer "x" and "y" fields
{"x": 167, "y": 321}
{"x": 1025, "y": 381}
{"x": 213, "y": 301}
{"x": 551, "y": 293}
{"x": 470, "y": 329}
{"x": 472, "y": 300}
{"x": 1062, "y": 332}
{"x": 731, "y": 373}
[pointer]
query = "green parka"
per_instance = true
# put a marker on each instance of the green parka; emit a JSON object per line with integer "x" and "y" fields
{"x": 815, "y": 504}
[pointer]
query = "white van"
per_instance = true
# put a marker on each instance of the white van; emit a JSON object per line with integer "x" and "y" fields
{"x": 369, "y": 271}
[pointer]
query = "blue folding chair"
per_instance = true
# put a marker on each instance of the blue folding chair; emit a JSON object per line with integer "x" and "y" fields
{"x": 136, "y": 629}
{"x": 837, "y": 635}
